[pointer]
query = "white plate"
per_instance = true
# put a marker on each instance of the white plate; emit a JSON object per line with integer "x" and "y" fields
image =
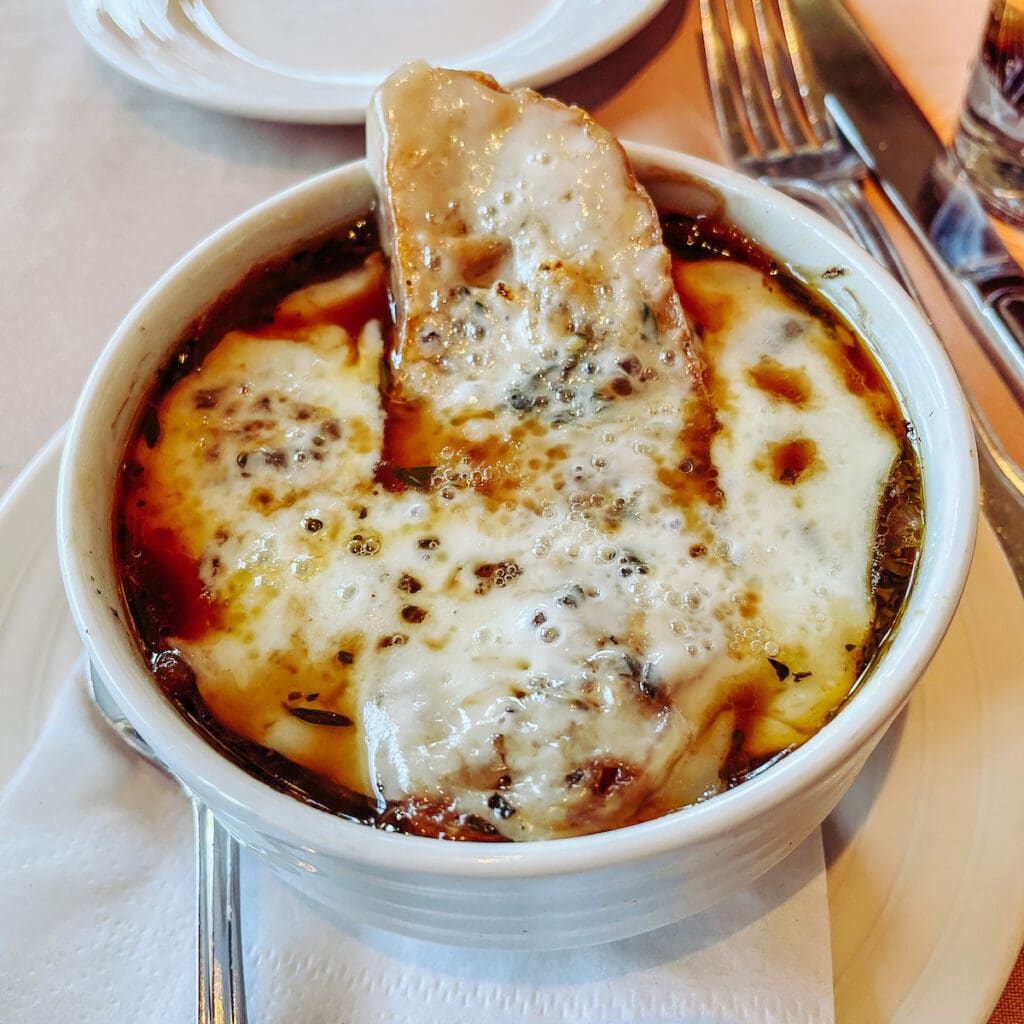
{"x": 925, "y": 887}
{"x": 924, "y": 854}
{"x": 318, "y": 61}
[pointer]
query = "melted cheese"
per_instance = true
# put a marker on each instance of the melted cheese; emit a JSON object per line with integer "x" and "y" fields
{"x": 548, "y": 616}
{"x": 526, "y": 262}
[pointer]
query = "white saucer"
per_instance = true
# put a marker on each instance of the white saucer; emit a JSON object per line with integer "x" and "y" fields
{"x": 319, "y": 61}
{"x": 926, "y": 891}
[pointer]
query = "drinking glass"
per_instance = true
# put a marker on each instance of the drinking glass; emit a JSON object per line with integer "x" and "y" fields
{"x": 989, "y": 141}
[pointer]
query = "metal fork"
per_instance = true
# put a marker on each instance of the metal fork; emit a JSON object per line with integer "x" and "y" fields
{"x": 771, "y": 116}
{"x": 219, "y": 972}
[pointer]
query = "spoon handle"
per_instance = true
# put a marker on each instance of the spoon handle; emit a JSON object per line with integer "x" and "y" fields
{"x": 220, "y": 982}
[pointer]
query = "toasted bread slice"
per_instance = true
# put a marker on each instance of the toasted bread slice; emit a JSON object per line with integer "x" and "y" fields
{"x": 517, "y": 231}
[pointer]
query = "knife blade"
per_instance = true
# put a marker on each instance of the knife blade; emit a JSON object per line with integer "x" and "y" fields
{"x": 880, "y": 119}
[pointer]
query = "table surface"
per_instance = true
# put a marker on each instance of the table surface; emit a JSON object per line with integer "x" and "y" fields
{"x": 104, "y": 183}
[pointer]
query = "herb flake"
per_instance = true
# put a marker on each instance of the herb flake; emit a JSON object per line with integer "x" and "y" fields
{"x": 320, "y": 716}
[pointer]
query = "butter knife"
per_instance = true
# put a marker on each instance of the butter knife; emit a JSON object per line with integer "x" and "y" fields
{"x": 880, "y": 119}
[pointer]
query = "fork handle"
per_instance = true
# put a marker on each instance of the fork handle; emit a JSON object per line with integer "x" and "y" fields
{"x": 863, "y": 224}
{"x": 220, "y": 983}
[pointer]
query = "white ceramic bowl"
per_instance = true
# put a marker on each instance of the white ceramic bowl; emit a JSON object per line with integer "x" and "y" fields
{"x": 566, "y": 892}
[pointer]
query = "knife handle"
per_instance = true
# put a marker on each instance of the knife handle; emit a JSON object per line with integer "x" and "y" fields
{"x": 974, "y": 266}
{"x": 1008, "y": 306}
{"x": 995, "y": 312}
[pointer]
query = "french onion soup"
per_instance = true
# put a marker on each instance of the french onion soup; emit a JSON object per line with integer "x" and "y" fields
{"x": 519, "y": 509}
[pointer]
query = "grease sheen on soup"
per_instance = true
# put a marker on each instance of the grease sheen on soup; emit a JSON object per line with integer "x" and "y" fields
{"x": 547, "y": 630}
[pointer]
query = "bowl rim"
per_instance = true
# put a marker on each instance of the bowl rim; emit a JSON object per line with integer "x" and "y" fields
{"x": 925, "y": 617}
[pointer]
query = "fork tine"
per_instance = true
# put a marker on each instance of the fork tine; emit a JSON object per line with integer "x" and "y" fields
{"x": 754, "y": 85}
{"x": 769, "y": 106}
{"x": 723, "y": 83}
{"x": 807, "y": 83}
{"x": 794, "y": 122}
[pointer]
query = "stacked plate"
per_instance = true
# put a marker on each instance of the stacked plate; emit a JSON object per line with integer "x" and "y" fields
{"x": 319, "y": 61}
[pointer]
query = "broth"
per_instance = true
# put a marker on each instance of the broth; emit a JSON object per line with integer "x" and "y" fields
{"x": 736, "y": 726}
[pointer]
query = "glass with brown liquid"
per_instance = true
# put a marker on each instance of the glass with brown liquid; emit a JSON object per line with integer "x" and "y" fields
{"x": 990, "y": 138}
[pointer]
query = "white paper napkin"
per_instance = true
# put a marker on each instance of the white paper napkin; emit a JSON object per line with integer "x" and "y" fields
{"x": 97, "y": 925}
